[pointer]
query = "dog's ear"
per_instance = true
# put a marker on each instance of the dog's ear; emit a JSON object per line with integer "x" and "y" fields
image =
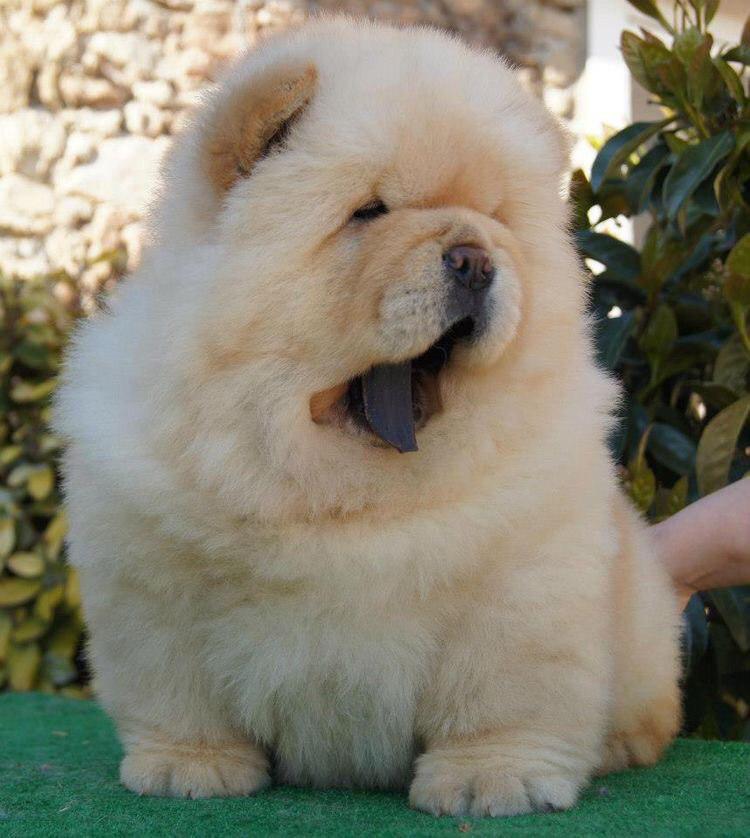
{"x": 249, "y": 119}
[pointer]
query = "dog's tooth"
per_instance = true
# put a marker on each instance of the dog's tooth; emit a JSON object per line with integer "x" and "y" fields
{"x": 387, "y": 397}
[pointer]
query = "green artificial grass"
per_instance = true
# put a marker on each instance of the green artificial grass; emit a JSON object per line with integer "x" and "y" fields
{"x": 58, "y": 776}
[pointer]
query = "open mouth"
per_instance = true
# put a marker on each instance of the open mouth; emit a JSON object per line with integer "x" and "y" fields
{"x": 393, "y": 401}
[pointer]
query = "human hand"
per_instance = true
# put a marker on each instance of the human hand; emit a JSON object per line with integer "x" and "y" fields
{"x": 707, "y": 544}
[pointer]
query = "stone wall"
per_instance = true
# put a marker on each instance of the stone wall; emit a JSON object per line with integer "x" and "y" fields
{"x": 91, "y": 92}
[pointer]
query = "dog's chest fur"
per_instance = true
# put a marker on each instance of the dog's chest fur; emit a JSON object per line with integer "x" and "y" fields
{"x": 326, "y": 651}
{"x": 331, "y": 693}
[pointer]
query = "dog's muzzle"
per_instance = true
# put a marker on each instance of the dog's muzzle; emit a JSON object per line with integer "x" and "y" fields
{"x": 387, "y": 389}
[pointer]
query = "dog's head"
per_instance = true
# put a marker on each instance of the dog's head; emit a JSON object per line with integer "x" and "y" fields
{"x": 378, "y": 220}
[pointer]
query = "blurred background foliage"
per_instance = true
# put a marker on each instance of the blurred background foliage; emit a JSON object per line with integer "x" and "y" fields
{"x": 672, "y": 311}
{"x": 40, "y": 615}
{"x": 671, "y": 319}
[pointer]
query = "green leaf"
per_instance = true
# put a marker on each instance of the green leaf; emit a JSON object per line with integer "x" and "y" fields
{"x": 737, "y": 290}
{"x": 631, "y": 46}
{"x": 26, "y": 564}
{"x": 640, "y": 180}
{"x": 659, "y": 335}
{"x": 734, "y": 606}
{"x": 672, "y": 448}
{"x": 727, "y": 181}
{"x": 740, "y": 54}
{"x": 732, "y": 365}
{"x": 711, "y": 9}
{"x": 687, "y": 43}
{"x": 40, "y": 482}
{"x": 642, "y": 486}
{"x": 712, "y": 394}
{"x": 581, "y": 197}
{"x": 678, "y": 496}
{"x": 685, "y": 354}
{"x": 7, "y": 536}
{"x": 738, "y": 260}
{"x": 622, "y": 260}
{"x": 613, "y": 199}
{"x": 695, "y": 635}
{"x": 693, "y": 166}
{"x": 693, "y": 49}
{"x": 30, "y": 629}
{"x": 661, "y": 255}
{"x": 17, "y": 591}
{"x": 731, "y": 80}
{"x": 667, "y": 77}
{"x": 25, "y": 391}
{"x": 647, "y": 7}
{"x": 47, "y": 601}
{"x": 54, "y": 534}
{"x": 612, "y": 335}
{"x": 717, "y": 446}
{"x": 617, "y": 149}
{"x": 9, "y": 454}
{"x": 23, "y": 666}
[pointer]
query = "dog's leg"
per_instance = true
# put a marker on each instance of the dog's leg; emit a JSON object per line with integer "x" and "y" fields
{"x": 646, "y": 711}
{"x": 147, "y": 656}
{"x": 516, "y": 717}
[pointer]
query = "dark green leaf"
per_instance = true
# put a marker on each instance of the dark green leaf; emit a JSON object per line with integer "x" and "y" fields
{"x": 642, "y": 486}
{"x": 659, "y": 334}
{"x": 621, "y": 260}
{"x": 695, "y": 633}
{"x": 711, "y": 9}
{"x": 647, "y": 7}
{"x": 715, "y": 395}
{"x": 581, "y": 197}
{"x": 672, "y": 448}
{"x": 717, "y": 446}
{"x": 740, "y": 54}
{"x": 687, "y": 44}
{"x": 731, "y": 80}
{"x": 694, "y": 165}
{"x": 737, "y": 291}
{"x": 693, "y": 48}
{"x": 661, "y": 255}
{"x": 618, "y": 148}
{"x": 738, "y": 260}
{"x": 640, "y": 180}
{"x": 734, "y": 606}
{"x": 611, "y": 336}
{"x": 630, "y": 45}
{"x": 678, "y": 496}
{"x": 732, "y": 365}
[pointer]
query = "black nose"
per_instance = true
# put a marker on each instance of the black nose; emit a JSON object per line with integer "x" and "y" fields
{"x": 471, "y": 266}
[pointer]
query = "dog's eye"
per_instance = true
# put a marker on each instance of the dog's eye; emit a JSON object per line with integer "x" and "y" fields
{"x": 371, "y": 210}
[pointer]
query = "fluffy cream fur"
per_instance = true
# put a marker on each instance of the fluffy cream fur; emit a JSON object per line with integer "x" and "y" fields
{"x": 484, "y": 619}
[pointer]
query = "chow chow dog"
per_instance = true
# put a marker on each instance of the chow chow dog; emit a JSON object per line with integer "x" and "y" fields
{"x": 338, "y": 485}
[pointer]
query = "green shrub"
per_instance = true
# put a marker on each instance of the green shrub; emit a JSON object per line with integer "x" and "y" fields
{"x": 40, "y": 617}
{"x": 672, "y": 314}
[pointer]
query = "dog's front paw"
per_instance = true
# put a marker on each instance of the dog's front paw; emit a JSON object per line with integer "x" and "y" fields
{"x": 184, "y": 770}
{"x": 456, "y": 786}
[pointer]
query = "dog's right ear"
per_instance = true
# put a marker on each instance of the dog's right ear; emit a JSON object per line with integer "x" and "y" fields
{"x": 249, "y": 119}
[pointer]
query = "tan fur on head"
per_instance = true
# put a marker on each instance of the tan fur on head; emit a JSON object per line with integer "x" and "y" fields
{"x": 485, "y": 618}
{"x": 247, "y": 119}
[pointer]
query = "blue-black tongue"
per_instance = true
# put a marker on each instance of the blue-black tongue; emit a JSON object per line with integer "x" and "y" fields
{"x": 386, "y": 393}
